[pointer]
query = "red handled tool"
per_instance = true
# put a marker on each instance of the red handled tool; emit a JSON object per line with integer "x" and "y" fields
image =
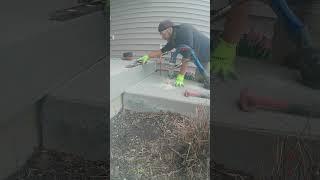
{"x": 195, "y": 93}
{"x": 249, "y": 102}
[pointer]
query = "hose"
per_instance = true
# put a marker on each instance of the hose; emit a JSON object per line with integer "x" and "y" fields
{"x": 184, "y": 48}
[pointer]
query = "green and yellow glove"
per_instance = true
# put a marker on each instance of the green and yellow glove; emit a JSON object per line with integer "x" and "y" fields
{"x": 179, "y": 80}
{"x": 144, "y": 59}
{"x": 222, "y": 60}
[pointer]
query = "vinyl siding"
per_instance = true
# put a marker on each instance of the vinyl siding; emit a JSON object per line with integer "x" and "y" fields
{"x": 134, "y": 24}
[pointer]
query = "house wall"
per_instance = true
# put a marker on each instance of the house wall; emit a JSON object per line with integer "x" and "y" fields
{"x": 261, "y": 17}
{"x": 134, "y": 24}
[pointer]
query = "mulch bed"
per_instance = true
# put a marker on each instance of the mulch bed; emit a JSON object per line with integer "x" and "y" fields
{"x": 54, "y": 165}
{"x": 159, "y": 145}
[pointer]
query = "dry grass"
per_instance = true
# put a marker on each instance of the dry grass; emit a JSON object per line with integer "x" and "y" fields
{"x": 180, "y": 151}
{"x": 194, "y": 136}
{"x": 47, "y": 164}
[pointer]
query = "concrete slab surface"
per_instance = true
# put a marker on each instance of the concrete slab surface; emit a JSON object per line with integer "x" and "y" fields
{"x": 265, "y": 80}
{"x": 74, "y": 115}
{"x": 27, "y": 20}
{"x": 122, "y": 78}
{"x": 88, "y": 87}
{"x": 159, "y": 93}
{"x": 49, "y": 59}
{"x": 117, "y": 66}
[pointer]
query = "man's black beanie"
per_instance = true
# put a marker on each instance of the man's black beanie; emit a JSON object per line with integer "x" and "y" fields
{"x": 164, "y": 25}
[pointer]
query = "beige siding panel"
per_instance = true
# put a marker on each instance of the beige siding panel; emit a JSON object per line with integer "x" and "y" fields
{"x": 149, "y": 30}
{"x": 134, "y": 23}
{"x": 161, "y": 16}
{"x": 157, "y": 19}
{"x": 147, "y": 25}
{"x": 155, "y": 9}
{"x": 118, "y": 4}
{"x": 126, "y": 48}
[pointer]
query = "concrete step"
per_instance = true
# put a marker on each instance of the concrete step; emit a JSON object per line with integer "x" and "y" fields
{"x": 268, "y": 80}
{"x": 19, "y": 137}
{"x": 122, "y": 78}
{"x": 157, "y": 93}
{"x": 88, "y": 87}
{"x": 50, "y": 58}
{"x": 232, "y": 147}
{"x": 74, "y": 115}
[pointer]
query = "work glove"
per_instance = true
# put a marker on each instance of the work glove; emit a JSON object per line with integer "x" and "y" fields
{"x": 144, "y": 59}
{"x": 179, "y": 80}
{"x": 222, "y": 60}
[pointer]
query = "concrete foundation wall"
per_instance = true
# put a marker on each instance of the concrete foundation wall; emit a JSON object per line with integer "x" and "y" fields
{"x": 116, "y": 106}
{"x": 75, "y": 115}
{"x": 122, "y": 78}
{"x": 75, "y": 127}
{"x": 140, "y": 103}
{"x": 153, "y": 94}
{"x": 18, "y": 138}
{"x": 250, "y": 151}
